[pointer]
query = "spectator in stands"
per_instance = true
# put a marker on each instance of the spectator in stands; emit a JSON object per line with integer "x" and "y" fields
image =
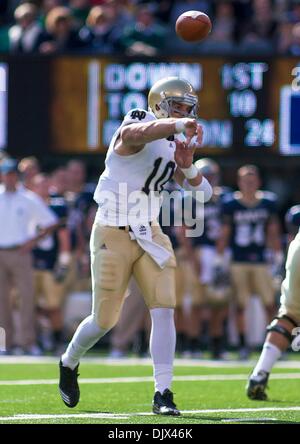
{"x": 294, "y": 48}
{"x": 224, "y": 23}
{"x": 180, "y": 6}
{"x": 80, "y": 11}
{"x": 46, "y": 7}
{"x": 3, "y": 11}
{"x": 100, "y": 32}
{"x": 27, "y": 34}
{"x": 119, "y": 11}
{"x": 260, "y": 32}
{"x": 62, "y": 36}
{"x": 163, "y": 10}
{"x": 293, "y": 15}
{"x": 284, "y": 36}
{"x": 21, "y": 213}
{"x": 145, "y": 36}
{"x": 28, "y": 167}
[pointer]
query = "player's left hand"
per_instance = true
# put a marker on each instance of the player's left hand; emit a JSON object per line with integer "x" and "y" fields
{"x": 195, "y": 140}
{"x": 185, "y": 150}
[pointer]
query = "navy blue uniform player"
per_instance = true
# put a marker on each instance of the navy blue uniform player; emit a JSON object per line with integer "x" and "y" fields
{"x": 211, "y": 276}
{"x": 51, "y": 259}
{"x": 250, "y": 226}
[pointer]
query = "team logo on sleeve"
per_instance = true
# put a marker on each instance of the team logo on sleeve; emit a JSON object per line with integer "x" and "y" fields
{"x": 138, "y": 114}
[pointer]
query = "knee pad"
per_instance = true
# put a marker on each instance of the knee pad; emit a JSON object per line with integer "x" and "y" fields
{"x": 281, "y": 329}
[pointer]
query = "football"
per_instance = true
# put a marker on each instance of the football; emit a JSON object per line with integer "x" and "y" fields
{"x": 193, "y": 26}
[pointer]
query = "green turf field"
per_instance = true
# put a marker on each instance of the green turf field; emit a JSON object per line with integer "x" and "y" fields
{"x": 121, "y": 393}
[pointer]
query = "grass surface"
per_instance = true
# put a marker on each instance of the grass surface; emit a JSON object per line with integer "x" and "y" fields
{"x": 113, "y": 402}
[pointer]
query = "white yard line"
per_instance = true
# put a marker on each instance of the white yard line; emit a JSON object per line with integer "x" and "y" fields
{"x": 134, "y": 379}
{"x": 143, "y": 361}
{"x": 127, "y": 415}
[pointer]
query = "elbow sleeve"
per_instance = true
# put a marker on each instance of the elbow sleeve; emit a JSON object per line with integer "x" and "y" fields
{"x": 204, "y": 186}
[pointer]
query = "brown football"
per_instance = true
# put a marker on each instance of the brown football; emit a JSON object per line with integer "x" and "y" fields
{"x": 193, "y": 26}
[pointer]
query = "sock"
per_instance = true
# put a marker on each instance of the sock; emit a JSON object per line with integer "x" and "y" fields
{"x": 57, "y": 336}
{"x": 242, "y": 340}
{"x": 86, "y": 335}
{"x": 180, "y": 342}
{"x": 162, "y": 346}
{"x": 216, "y": 345}
{"x": 269, "y": 355}
{"x": 194, "y": 345}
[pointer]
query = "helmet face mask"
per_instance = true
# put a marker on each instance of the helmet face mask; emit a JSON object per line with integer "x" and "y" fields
{"x": 166, "y": 94}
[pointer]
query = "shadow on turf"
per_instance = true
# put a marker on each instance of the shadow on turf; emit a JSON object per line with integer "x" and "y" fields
{"x": 242, "y": 420}
{"x": 209, "y": 418}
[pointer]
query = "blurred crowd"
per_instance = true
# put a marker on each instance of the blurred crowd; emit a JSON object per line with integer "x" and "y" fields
{"x": 45, "y": 285}
{"x": 135, "y": 27}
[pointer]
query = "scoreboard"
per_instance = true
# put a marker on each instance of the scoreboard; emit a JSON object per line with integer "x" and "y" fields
{"x": 245, "y": 105}
{"x": 73, "y": 104}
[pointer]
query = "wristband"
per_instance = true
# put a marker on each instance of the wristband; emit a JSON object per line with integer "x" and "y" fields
{"x": 191, "y": 172}
{"x": 179, "y": 126}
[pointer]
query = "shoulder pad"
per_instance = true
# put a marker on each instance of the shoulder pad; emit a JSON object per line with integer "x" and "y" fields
{"x": 268, "y": 195}
{"x": 138, "y": 115}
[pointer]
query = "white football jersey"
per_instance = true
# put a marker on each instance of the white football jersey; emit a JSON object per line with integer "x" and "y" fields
{"x": 128, "y": 191}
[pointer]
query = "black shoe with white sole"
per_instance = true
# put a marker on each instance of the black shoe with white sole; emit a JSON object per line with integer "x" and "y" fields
{"x": 163, "y": 404}
{"x": 68, "y": 385}
{"x": 256, "y": 387}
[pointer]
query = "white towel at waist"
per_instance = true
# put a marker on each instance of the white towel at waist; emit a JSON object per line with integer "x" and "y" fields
{"x": 143, "y": 235}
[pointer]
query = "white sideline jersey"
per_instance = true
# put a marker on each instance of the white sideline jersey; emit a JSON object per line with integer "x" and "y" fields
{"x": 128, "y": 190}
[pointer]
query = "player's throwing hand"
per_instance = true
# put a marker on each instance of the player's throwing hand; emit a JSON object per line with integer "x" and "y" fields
{"x": 185, "y": 150}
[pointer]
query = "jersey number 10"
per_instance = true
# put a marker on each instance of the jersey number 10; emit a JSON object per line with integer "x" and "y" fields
{"x": 156, "y": 181}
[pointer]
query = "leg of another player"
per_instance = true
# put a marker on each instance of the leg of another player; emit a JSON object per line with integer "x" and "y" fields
{"x": 193, "y": 330}
{"x": 277, "y": 341}
{"x": 216, "y": 327}
{"x": 241, "y": 328}
{"x": 274, "y": 345}
{"x": 180, "y": 329}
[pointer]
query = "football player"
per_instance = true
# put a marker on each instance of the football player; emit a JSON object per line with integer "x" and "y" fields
{"x": 250, "y": 225}
{"x": 51, "y": 261}
{"x": 280, "y": 330}
{"x": 214, "y": 273}
{"x": 127, "y": 240}
{"x": 211, "y": 274}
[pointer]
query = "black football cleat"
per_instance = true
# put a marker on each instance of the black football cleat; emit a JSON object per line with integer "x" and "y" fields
{"x": 68, "y": 385}
{"x": 256, "y": 388}
{"x": 163, "y": 404}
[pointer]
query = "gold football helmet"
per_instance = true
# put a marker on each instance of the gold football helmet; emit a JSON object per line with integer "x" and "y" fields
{"x": 168, "y": 91}
{"x": 207, "y": 166}
{"x": 210, "y": 169}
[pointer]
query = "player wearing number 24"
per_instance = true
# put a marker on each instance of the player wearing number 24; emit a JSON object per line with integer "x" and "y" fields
{"x": 143, "y": 155}
{"x": 250, "y": 227}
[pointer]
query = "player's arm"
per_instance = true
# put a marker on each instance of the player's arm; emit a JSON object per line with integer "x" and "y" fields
{"x": 134, "y": 136}
{"x": 64, "y": 254}
{"x": 64, "y": 245}
{"x": 274, "y": 234}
